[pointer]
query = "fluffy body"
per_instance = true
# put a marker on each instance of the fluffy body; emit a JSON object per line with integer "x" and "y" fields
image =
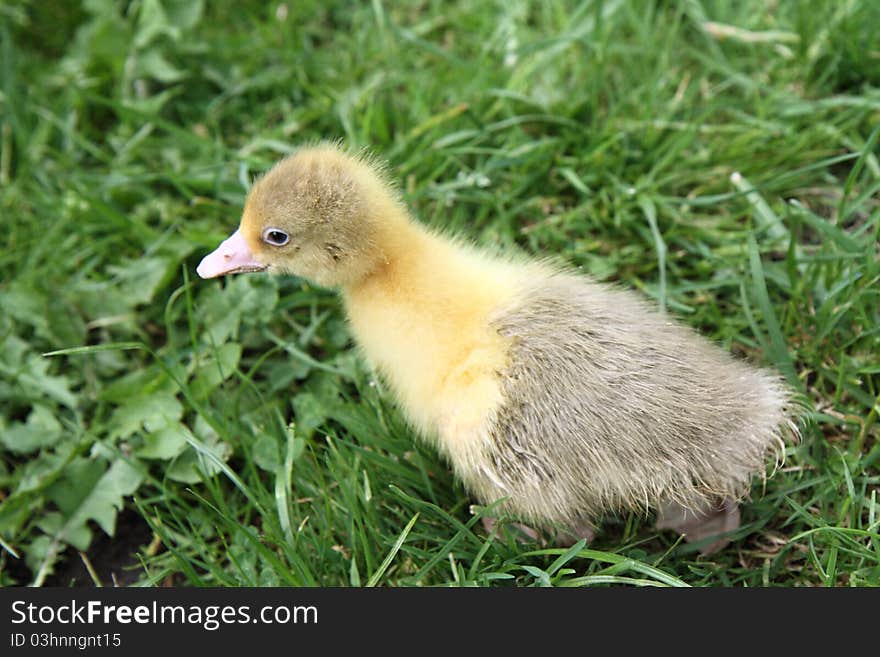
{"x": 566, "y": 397}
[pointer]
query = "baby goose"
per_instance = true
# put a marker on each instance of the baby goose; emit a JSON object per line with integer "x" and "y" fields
{"x": 560, "y": 396}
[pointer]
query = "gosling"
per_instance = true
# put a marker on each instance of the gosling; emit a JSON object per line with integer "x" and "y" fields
{"x": 554, "y": 397}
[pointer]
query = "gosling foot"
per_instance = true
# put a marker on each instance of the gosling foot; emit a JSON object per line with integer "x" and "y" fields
{"x": 701, "y": 524}
{"x": 578, "y": 530}
{"x": 525, "y": 534}
{"x": 522, "y": 533}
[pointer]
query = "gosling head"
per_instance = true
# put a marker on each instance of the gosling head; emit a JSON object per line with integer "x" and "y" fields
{"x": 320, "y": 214}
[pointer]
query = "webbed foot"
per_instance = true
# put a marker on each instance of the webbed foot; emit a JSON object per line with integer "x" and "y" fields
{"x": 525, "y": 534}
{"x": 701, "y": 524}
{"x": 522, "y": 533}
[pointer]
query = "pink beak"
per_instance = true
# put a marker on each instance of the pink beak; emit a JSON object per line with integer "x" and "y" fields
{"x": 232, "y": 257}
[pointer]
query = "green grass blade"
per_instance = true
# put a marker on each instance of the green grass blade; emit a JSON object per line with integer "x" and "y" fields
{"x": 778, "y": 349}
{"x": 380, "y": 571}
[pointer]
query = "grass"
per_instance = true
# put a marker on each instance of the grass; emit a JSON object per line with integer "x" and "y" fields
{"x": 720, "y": 157}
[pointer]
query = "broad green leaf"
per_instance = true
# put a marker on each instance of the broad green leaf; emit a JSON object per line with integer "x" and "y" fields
{"x": 29, "y": 373}
{"x": 138, "y": 280}
{"x": 152, "y": 105}
{"x": 152, "y": 64}
{"x": 266, "y": 453}
{"x": 27, "y": 307}
{"x": 140, "y": 381}
{"x": 185, "y": 14}
{"x": 281, "y": 374}
{"x": 165, "y": 443}
{"x": 37, "y": 473}
{"x": 256, "y": 296}
{"x": 52, "y": 523}
{"x": 220, "y": 365}
{"x": 75, "y": 485}
{"x": 191, "y": 467}
{"x": 37, "y": 553}
{"x": 152, "y": 23}
{"x": 310, "y": 413}
{"x": 151, "y": 412}
{"x": 65, "y": 323}
{"x": 218, "y": 317}
{"x": 13, "y": 351}
{"x": 89, "y": 492}
{"x": 40, "y": 430}
{"x": 247, "y": 299}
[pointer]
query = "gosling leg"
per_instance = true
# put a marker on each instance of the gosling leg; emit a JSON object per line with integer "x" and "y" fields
{"x": 523, "y": 533}
{"x": 579, "y": 529}
{"x": 698, "y": 525}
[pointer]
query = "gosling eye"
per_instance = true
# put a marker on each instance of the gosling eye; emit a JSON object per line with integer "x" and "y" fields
{"x": 275, "y": 237}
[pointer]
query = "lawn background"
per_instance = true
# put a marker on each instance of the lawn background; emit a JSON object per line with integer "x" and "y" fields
{"x": 226, "y": 431}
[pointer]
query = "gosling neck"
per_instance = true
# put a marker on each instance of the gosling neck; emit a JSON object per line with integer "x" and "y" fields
{"x": 402, "y": 244}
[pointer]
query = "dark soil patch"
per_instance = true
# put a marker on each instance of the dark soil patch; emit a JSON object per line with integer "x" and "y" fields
{"x": 114, "y": 559}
